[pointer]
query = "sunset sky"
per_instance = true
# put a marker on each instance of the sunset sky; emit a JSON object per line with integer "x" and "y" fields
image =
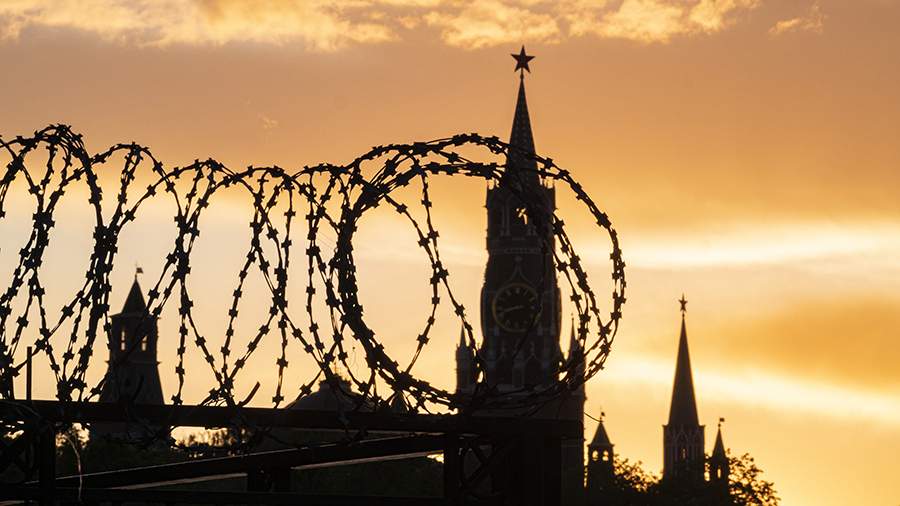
{"x": 745, "y": 150}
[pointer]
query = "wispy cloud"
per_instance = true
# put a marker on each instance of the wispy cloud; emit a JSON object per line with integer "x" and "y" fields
{"x": 267, "y": 122}
{"x": 658, "y": 20}
{"x": 320, "y": 24}
{"x": 491, "y": 22}
{"x": 813, "y": 21}
{"x": 771, "y": 245}
{"x": 328, "y": 25}
{"x": 765, "y": 389}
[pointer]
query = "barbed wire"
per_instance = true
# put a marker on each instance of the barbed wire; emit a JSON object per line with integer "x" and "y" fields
{"x": 334, "y": 199}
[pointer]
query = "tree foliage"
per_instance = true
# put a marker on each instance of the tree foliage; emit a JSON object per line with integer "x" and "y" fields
{"x": 633, "y": 485}
{"x": 746, "y": 484}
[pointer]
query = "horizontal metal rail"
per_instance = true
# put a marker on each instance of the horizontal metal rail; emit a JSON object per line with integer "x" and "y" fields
{"x": 222, "y": 416}
{"x": 299, "y": 458}
{"x": 90, "y": 495}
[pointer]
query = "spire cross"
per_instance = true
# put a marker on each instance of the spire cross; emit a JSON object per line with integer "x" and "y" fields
{"x": 137, "y": 270}
{"x": 683, "y": 303}
{"x": 522, "y": 60}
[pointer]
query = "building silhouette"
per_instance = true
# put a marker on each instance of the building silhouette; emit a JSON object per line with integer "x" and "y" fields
{"x": 683, "y": 436}
{"x": 600, "y": 468}
{"x": 685, "y": 464}
{"x": 520, "y": 299}
{"x": 520, "y": 317}
{"x": 719, "y": 469}
{"x": 132, "y": 374}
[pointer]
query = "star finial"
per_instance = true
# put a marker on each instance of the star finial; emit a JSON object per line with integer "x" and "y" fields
{"x": 683, "y": 303}
{"x": 522, "y": 60}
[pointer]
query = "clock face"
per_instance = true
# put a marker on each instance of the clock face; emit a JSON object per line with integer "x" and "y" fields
{"x": 515, "y": 307}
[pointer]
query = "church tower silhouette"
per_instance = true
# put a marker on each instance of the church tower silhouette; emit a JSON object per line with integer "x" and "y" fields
{"x": 683, "y": 436}
{"x": 520, "y": 298}
{"x": 132, "y": 373}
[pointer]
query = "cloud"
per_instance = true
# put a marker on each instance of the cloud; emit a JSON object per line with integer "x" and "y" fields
{"x": 787, "y": 244}
{"x": 328, "y": 25}
{"x": 714, "y": 15}
{"x": 321, "y": 25}
{"x": 847, "y": 339}
{"x": 763, "y": 388}
{"x": 812, "y": 21}
{"x": 657, "y": 20}
{"x": 490, "y": 23}
{"x": 267, "y": 122}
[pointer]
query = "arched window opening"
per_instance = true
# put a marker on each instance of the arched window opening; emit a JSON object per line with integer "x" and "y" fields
{"x": 595, "y": 455}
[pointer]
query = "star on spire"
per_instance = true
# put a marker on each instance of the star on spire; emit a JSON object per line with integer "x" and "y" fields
{"x": 683, "y": 303}
{"x": 522, "y": 60}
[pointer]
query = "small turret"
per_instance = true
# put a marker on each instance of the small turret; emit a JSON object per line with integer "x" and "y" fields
{"x": 465, "y": 363}
{"x": 132, "y": 375}
{"x": 719, "y": 469}
{"x": 601, "y": 467}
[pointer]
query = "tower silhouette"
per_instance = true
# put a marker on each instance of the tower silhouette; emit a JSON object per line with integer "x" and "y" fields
{"x": 520, "y": 301}
{"x": 719, "y": 469}
{"x": 600, "y": 468}
{"x": 132, "y": 372}
{"x": 683, "y": 436}
{"x": 465, "y": 363}
{"x": 520, "y": 298}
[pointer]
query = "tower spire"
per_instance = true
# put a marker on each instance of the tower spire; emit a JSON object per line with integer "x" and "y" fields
{"x": 683, "y": 436}
{"x": 466, "y": 374}
{"x": 719, "y": 448}
{"x": 573, "y": 339}
{"x": 601, "y": 466}
{"x": 521, "y": 138}
{"x": 134, "y": 302}
{"x": 683, "y": 410}
{"x": 719, "y": 467}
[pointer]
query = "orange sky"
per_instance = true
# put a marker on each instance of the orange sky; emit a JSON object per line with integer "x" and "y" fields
{"x": 746, "y": 151}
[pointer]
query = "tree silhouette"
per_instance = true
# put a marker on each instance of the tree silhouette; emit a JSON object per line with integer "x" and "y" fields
{"x": 746, "y": 485}
{"x": 634, "y": 486}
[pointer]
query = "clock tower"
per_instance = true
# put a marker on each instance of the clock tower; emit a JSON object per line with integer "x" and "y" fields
{"x": 520, "y": 300}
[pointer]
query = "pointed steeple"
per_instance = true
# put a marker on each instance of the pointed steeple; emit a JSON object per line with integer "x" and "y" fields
{"x": 466, "y": 373}
{"x": 574, "y": 345}
{"x": 134, "y": 303}
{"x": 719, "y": 448}
{"x": 576, "y": 353}
{"x": 683, "y": 410}
{"x": 601, "y": 467}
{"x": 521, "y": 137}
{"x": 719, "y": 467}
{"x": 601, "y": 438}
